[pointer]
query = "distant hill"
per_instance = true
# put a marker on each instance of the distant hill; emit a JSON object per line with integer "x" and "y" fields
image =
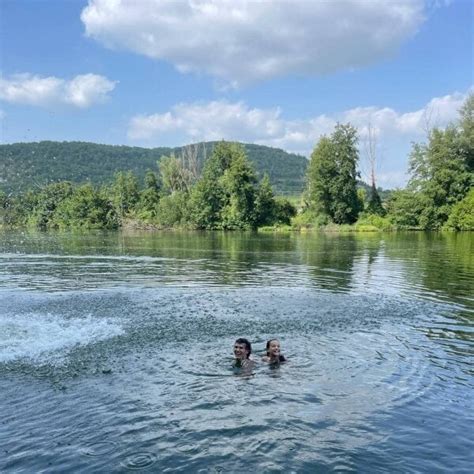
{"x": 29, "y": 165}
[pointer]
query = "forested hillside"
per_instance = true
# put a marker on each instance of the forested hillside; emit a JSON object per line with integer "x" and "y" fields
{"x": 29, "y": 165}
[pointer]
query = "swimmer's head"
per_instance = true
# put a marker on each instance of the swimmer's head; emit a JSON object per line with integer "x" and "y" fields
{"x": 242, "y": 348}
{"x": 273, "y": 348}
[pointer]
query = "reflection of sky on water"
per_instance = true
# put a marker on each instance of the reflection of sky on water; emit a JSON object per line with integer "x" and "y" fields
{"x": 340, "y": 375}
{"x": 411, "y": 264}
{"x": 134, "y": 351}
{"x": 319, "y": 403}
{"x": 56, "y": 273}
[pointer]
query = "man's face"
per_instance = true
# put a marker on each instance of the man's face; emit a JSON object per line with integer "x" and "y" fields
{"x": 240, "y": 351}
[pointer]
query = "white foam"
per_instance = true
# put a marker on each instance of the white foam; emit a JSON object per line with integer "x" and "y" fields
{"x": 37, "y": 336}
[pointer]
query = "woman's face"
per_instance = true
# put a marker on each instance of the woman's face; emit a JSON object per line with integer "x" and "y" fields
{"x": 274, "y": 348}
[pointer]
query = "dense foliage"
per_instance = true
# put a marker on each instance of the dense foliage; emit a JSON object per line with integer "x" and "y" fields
{"x": 438, "y": 194}
{"x": 216, "y": 186}
{"x": 442, "y": 175}
{"x": 228, "y": 195}
{"x": 24, "y": 165}
{"x": 332, "y": 176}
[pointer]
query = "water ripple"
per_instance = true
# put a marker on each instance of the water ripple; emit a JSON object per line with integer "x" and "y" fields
{"x": 118, "y": 356}
{"x": 139, "y": 461}
{"x": 99, "y": 448}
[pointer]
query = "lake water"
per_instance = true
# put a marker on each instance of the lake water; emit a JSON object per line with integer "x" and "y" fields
{"x": 116, "y": 351}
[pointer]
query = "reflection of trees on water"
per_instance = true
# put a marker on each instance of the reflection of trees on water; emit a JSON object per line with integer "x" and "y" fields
{"x": 449, "y": 258}
{"x": 366, "y": 273}
{"x": 441, "y": 266}
{"x": 220, "y": 258}
{"x": 330, "y": 259}
{"x": 412, "y": 263}
{"x": 442, "y": 263}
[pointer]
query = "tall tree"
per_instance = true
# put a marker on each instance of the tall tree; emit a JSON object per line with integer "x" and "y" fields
{"x": 174, "y": 176}
{"x": 47, "y": 201}
{"x": 124, "y": 192}
{"x": 466, "y": 124}
{"x": 149, "y": 197}
{"x": 265, "y": 204}
{"x": 440, "y": 174}
{"x": 239, "y": 184}
{"x": 224, "y": 197}
{"x": 374, "y": 202}
{"x": 332, "y": 176}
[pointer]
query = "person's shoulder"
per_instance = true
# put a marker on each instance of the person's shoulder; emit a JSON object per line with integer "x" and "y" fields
{"x": 265, "y": 359}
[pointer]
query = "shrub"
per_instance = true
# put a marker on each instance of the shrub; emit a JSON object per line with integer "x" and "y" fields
{"x": 173, "y": 209}
{"x": 462, "y": 214}
{"x": 373, "y": 222}
{"x": 309, "y": 218}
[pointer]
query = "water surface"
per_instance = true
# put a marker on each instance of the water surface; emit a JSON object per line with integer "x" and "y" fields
{"x": 115, "y": 352}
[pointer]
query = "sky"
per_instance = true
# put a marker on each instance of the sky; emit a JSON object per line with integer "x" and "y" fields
{"x": 271, "y": 72}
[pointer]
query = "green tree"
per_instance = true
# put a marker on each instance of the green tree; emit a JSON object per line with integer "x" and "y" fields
{"x": 86, "y": 208}
{"x": 265, "y": 203}
{"x": 462, "y": 214}
{"x": 404, "y": 208}
{"x": 173, "y": 175}
{"x": 124, "y": 193}
{"x": 147, "y": 207}
{"x": 440, "y": 174}
{"x": 442, "y": 171}
{"x": 18, "y": 209}
{"x": 284, "y": 211}
{"x": 5, "y": 203}
{"x": 46, "y": 202}
{"x": 270, "y": 210}
{"x": 173, "y": 210}
{"x": 239, "y": 184}
{"x": 466, "y": 124}
{"x": 332, "y": 176}
{"x": 374, "y": 202}
{"x": 224, "y": 197}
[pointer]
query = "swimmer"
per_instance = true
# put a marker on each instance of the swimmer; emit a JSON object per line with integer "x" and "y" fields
{"x": 242, "y": 351}
{"x": 273, "y": 355}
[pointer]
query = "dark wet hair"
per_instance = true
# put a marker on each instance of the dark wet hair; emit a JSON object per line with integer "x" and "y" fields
{"x": 281, "y": 358}
{"x": 246, "y": 342}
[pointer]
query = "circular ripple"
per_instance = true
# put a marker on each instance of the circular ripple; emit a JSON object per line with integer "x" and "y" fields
{"x": 98, "y": 449}
{"x": 43, "y": 371}
{"x": 137, "y": 461}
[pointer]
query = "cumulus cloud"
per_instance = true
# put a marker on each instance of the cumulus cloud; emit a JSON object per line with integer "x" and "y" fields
{"x": 218, "y": 120}
{"x": 212, "y": 121}
{"x": 240, "y": 41}
{"x": 82, "y": 91}
{"x": 438, "y": 112}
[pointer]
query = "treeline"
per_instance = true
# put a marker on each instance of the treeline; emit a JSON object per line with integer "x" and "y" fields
{"x": 225, "y": 195}
{"x": 224, "y": 191}
{"x": 26, "y": 165}
{"x": 439, "y": 194}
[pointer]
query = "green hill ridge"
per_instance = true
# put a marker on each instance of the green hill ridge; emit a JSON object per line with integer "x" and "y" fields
{"x": 29, "y": 165}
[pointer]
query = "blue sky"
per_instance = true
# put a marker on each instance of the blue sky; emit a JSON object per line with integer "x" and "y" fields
{"x": 278, "y": 73}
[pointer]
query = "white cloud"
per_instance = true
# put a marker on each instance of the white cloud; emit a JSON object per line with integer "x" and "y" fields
{"x": 211, "y": 121}
{"x": 236, "y": 121}
{"x": 218, "y": 120}
{"x": 437, "y": 113}
{"x": 82, "y": 91}
{"x": 241, "y": 41}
